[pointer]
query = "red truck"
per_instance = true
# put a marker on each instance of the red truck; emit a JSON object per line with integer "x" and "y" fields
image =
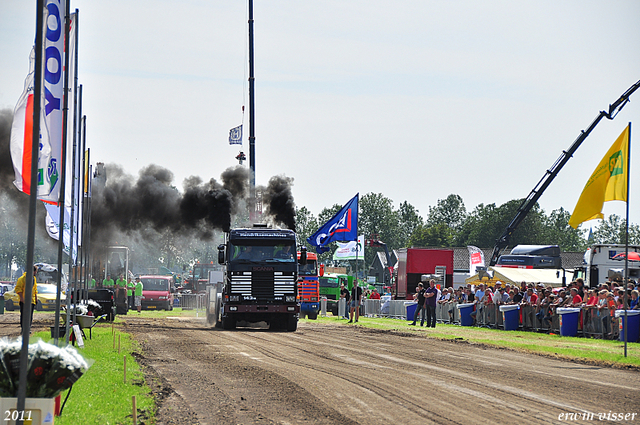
{"x": 414, "y": 262}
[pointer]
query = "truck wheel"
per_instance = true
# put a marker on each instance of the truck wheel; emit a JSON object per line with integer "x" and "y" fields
{"x": 334, "y": 309}
{"x": 302, "y": 314}
{"x": 38, "y": 306}
{"x": 292, "y": 323}
{"x": 9, "y": 305}
{"x": 228, "y": 323}
{"x": 313, "y": 316}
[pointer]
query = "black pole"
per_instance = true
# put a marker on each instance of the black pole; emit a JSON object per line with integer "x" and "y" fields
{"x": 63, "y": 173}
{"x": 75, "y": 133}
{"x": 72, "y": 228}
{"x": 252, "y": 132}
{"x": 83, "y": 265}
{"x": 626, "y": 243}
{"x": 33, "y": 199}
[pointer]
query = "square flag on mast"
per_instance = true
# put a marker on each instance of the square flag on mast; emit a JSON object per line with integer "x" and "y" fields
{"x": 235, "y": 135}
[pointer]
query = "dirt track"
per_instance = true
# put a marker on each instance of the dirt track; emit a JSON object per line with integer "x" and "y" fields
{"x": 343, "y": 374}
{"x": 340, "y": 374}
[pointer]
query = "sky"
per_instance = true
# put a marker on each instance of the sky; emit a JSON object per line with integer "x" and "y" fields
{"x": 413, "y": 99}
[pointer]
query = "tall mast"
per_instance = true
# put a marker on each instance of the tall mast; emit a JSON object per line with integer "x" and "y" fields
{"x": 252, "y": 131}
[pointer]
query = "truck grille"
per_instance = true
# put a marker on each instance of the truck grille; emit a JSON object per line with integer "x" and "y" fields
{"x": 262, "y": 284}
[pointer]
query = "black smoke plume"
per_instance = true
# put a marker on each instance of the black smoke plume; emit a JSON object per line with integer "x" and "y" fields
{"x": 152, "y": 202}
{"x": 279, "y": 201}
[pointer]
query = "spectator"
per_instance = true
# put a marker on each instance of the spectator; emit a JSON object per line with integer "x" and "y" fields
{"x": 469, "y": 295}
{"x": 531, "y": 298}
{"x": 517, "y": 295}
{"x": 581, "y": 288}
{"x": 500, "y": 297}
{"x": 576, "y": 299}
{"x": 445, "y": 297}
{"x": 431, "y": 294}
{"x": 420, "y": 307}
{"x": 633, "y": 302}
{"x": 356, "y": 301}
{"x": 478, "y": 300}
{"x": 375, "y": 295}
{"x": 510, "y": 299}
{"x": 344, "y": 294}
{"x": 592, "y": 298}
{"x": 108, "y": 282}
{"x": 19, "y": 290}
{"x": 137, "y": 297}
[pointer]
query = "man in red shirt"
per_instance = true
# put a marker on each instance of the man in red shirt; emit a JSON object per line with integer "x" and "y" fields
{"x": 576, "y": 300}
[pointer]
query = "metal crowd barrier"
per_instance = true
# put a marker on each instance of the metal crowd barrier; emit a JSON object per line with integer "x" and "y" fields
{"x": 193, "y": 301}
{"x": 593, "y": 322}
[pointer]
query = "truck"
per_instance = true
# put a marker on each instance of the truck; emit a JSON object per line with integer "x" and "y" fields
{"x": 308, "y": 289}
{"x": 260, "y": 282}
{"x": 415, "y": 262}
{"x": 197, "y": 282}
{"x": 599, "y": 264}
{"x": 532, "y": 257}
{"x": 330, "y": 288}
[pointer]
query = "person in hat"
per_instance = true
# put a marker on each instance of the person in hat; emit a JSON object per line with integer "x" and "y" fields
{"x": 19, "y": 289}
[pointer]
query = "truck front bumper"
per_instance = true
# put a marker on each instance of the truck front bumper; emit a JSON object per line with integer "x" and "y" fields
{"x": 261, "y": 308}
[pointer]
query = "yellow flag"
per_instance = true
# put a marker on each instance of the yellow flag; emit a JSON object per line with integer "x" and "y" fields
{"x": 607, "y": 183}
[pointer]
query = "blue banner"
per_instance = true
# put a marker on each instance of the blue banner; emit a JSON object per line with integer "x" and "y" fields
{"x": 342, "y": 227}
{"x": 235, "y": 135}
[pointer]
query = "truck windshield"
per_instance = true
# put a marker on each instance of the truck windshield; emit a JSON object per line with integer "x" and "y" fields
{"x": 308, "y": 269}
{"x": 262, "y": 253}
{"x": 151, "y": 284}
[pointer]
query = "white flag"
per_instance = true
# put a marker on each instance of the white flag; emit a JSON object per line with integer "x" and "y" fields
{"x": 476, "y": 259}
{"x": 50, "y": 143}
{"x": 53, "y": 227}
{"x": 235, "y": 135}
{"x": 347, "y": 250}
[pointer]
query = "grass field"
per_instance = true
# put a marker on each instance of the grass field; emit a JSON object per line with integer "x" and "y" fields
{"x": 101, "y": 396}
{"x": 586, "y": 349}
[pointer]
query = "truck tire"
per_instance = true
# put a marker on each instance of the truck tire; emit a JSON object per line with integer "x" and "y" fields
{"x": 228, "y": 323}
{"x": 313, "y": 316}
{"x": 334, "y": 309}
{"x": 9, "y": 305}
{"x": 292, "y": 323}
{"x": 38, "y": 306}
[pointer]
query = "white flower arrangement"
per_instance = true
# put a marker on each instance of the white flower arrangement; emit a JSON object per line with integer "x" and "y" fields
{"x": 51, "y": 369}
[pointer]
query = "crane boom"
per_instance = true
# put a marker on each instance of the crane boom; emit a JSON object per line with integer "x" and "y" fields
{"x": 503, "y": 241}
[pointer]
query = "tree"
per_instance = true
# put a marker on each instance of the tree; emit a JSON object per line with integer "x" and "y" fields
{"x": 450, "y": 211}
{"x": 306, "y": 225}
{"x": 487, "y": 223}
{"x": 612, "y": 231}
{"x": 410, "y": 220}
{"x": 557, "y": 231}
{"x": 437, "y": 235}
{"x": 378, "y": 217}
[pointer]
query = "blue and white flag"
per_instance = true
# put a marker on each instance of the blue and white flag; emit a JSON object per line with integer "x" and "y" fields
{"x": 342, "y": 227}
{"x": 235, "y": 135}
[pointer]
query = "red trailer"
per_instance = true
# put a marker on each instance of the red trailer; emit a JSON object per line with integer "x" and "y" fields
{"x": 414, "y": 262}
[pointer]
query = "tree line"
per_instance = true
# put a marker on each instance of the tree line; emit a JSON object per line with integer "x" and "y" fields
{"x": 448, "y": 224}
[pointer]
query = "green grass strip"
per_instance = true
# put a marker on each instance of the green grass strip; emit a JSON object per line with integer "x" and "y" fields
{"x": 585, "y": 349}
{"x": 101, "y": 396}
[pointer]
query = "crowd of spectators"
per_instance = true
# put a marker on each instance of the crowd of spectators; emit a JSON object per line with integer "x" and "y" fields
{"x": 545, "y": 299}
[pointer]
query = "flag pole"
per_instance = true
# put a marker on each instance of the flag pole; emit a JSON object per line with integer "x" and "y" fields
{"x": 63, "y": 173}
{"x": 33, "y": 200}
{"x": 626, "y": 248}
